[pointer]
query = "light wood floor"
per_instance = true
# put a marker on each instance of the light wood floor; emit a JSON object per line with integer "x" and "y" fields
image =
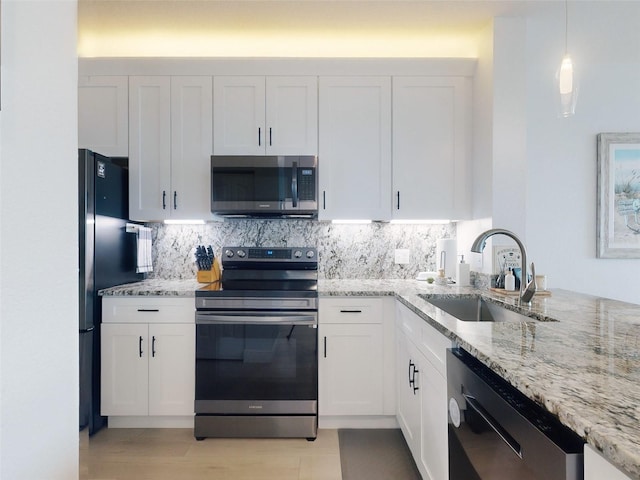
{"x": 173, "y": 454}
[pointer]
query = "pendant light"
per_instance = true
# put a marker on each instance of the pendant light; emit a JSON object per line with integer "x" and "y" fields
{"x": 567, "y": 85}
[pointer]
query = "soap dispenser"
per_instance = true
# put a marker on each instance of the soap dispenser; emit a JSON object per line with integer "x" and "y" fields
{"x": 463, "y": 273}
{"x": 510, "y": 281}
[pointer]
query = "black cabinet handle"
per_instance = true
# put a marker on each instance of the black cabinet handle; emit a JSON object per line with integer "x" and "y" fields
{"x": 411, "y": 376}
{"x": 325, "y": 347}
{"x": 259, "y": 136}
{"x": 175, "y": 200}
{"x": 140, "y": 347}
{"x": 148, "y": 310}
{"x": 324, "y": 200}
{"x": 415, "y": 386}
{"x": 153, "y": 346}
{"x": 398, "y": 204}
{"x": 270, "y": 139}
{"x": 164, "y": 199}
{"x": 350, "y": 311}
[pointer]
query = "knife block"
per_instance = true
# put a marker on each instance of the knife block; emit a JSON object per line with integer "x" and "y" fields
{"x": 210, "y": 276}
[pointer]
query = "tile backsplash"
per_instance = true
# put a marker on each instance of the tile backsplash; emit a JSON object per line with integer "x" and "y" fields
{"x": 345, "y": 251}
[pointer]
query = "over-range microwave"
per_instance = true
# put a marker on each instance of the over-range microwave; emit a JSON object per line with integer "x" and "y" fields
{"x": 264, "y": 186}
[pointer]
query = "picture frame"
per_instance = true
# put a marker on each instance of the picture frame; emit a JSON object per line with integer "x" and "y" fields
{"x": 618, "y": 209}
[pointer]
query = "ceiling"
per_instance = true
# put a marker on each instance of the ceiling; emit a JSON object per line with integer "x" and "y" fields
{"x": 310, "y": 28}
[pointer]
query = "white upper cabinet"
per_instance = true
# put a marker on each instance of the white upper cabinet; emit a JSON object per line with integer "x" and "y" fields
{"x": 431, "y": 127}
{"x": 103, "y": 114}
{"x": 170, "y": 133}
{"x": 256, "y": 115}
{"x": 355, "y": 148}
{"x": 191, "y": 147}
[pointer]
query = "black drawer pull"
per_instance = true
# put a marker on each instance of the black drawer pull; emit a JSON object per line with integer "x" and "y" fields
{"x": 350, "y": 311}
{"x": 140, "y": 347}
{"x": 148, "y": 310}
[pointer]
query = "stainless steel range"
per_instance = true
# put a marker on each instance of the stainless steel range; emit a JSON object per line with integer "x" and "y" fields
{"x": 256, "y": 346}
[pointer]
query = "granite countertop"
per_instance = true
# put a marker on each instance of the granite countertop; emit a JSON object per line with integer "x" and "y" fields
{"x": 580, "y": 358}
{"x": 155, "y": 288}
{"x": 582, "y": 362}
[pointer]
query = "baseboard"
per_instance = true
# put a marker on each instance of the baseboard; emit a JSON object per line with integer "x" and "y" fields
{"x": 357, "y": 421}
{"x": 150, "y": 422}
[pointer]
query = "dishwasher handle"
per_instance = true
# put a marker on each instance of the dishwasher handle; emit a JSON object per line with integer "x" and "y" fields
{"x": 495, "y": 426}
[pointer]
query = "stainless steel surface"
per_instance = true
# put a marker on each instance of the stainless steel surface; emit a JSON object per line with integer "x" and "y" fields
{"x": 499, "y": 434}
{"x": 258, "y": 318}
{"x": 257, "y": 345}
{"x": 257, "y": 407}
{"x": 222, "y": 426}
{"x": 476, "y": 309}
{"x": 256, "y": 303}
{"x": 527, "y": 290}
{"x": 250, "y": 198}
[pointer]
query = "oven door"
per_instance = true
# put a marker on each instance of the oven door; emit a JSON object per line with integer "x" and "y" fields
{"x": 256, "y": 362}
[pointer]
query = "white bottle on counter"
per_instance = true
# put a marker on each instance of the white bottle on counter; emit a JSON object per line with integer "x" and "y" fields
{"x": 510, "y": 281}
{"x": 463, "y": 273}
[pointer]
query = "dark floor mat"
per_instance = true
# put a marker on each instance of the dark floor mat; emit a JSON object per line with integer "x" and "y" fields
{"x": 375, "y": 454}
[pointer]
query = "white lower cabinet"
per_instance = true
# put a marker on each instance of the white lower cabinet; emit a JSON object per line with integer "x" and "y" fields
{"x": 422, "y": 392}
{"x": 408, "y": 391}
{"x": 596, "y": 467}
{"x": 350, "y": 369}
{"x": 148, "y": 369}
{"x": 355, "y": 374}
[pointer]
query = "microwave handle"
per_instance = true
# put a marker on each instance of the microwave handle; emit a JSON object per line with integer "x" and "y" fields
{"x": 294, "y": 184}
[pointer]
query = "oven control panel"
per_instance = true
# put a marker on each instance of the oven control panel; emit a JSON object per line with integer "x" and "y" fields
{"x": 267, "y": 255}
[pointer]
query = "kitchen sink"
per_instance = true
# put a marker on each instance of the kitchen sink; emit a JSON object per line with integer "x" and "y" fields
{"x": 476, "y": 309}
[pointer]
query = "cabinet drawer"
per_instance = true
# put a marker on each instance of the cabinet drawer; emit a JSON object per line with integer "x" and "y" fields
{"x": 431, "y": 343}
{"x": 148, "y": 310}
{"x": 351, "y": 310}
{"x": 433, "y": 346}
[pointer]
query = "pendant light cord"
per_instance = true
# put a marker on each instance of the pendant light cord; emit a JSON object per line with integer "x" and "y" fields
{"x": 566, "y": 26}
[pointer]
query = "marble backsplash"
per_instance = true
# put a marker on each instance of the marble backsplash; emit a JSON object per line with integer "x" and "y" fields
{"x": 345, "y": 251}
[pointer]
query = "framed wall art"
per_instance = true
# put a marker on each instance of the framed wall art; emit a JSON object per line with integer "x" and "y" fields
{"x": 618, "y": 195}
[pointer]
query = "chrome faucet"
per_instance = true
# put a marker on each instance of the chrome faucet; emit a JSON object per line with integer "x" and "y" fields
{"x": 527, "y": 290}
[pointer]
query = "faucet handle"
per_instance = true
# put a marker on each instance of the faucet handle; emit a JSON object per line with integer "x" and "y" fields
{"x": 530, "y": 290}
{"x": 533, "y": 275}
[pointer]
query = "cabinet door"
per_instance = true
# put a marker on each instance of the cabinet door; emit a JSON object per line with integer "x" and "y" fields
{"x": 103, "y": 115}
{"x": 238, "y": 115}
{"x": 350, "y": 369}
{"x": 408, "y": 392}
{"x": 430, "y": 148}
{"x": 596, "y": 467}
{"x": 191, "y": 147}
{"x": 433, "y": 461}
{"x": 124, "y": 377}
{"x": 291, "y": 116}
{"x": 355, "y": 148}
{"x": 172, "y": 369}
{"x": 150, "y": 148}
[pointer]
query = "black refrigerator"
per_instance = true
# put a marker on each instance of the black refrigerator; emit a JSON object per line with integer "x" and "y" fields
{"x": 107, "y": 257}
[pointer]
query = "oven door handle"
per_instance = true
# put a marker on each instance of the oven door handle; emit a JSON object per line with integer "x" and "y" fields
{"x": 256, "y": 319}
{"x": 495, "y": 426}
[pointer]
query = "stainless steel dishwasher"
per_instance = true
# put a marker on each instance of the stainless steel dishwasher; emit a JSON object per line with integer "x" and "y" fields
{"x": 497, "y": 433}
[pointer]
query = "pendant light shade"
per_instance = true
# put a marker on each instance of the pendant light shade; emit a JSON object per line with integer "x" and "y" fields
{"x": 567, "y": 87}
{"x": 565, "y": 76}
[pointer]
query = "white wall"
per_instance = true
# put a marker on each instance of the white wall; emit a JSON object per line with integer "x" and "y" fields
{"x": 553, "y": 160}
{"x": 38, "y": 241}
{"x": 604, "y": 41}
